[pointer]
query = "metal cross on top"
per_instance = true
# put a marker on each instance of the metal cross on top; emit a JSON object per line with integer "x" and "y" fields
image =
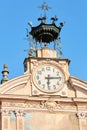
{"x": 44, "y": 7}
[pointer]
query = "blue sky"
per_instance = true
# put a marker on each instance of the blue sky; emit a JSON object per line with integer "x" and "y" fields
{"x": 14, "y": 16}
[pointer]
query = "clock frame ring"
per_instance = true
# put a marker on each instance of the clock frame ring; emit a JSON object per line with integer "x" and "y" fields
{"x": 48, "y": 77}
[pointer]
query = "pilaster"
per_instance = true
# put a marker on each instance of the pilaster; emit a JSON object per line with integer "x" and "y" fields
{"x": 19, "y": 119}
{"x": 82, "y": 116}
{"x": 5, "y": 119}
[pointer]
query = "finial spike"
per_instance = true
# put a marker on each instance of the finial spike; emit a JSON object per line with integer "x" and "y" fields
{"x": 5, "y": 73}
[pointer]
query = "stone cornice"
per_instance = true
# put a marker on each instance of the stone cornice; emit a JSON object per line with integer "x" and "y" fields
{"x": 81, "y": 100}
{"x": 23, "y": 98}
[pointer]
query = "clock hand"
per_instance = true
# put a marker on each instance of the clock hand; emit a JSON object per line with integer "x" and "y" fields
{"x": 48, "y": 78}
{"x": 48, "y": 81}
{"x": 56, "y": 78}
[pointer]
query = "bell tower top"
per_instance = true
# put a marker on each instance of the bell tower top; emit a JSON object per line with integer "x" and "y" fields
{"x": 45, "y": 37}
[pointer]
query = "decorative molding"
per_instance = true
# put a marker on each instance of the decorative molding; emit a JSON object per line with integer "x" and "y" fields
{"x": 82, "y": 115}
{"x": 46, "y": 104}
{"x": 8, "y": 112}
{"x": 36, "y": 63}
{"x": 18, "y": 107}
{"x": 12, "y": 104}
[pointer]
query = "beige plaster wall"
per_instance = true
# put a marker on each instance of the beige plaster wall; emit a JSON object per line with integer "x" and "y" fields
{"x": 48, "y": 121}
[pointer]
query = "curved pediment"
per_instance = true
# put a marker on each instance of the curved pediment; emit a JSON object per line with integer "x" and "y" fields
{"x": 79, "y": 86}
{"x": 78, "y": 83}
{"x": 15, "y": 86}
{"x": 22, "y": 86}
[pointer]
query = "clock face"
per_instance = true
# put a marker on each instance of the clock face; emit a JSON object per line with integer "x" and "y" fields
{"x": 48, "y": 78}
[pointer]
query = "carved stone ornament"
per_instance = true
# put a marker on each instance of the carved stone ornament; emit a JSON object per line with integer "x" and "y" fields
{"x": 5, "y": 112}
{"x": 50, "y": 105}
{"x": 82, "y": 115}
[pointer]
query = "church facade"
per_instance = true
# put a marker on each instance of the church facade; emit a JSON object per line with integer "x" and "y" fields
{"x": 46, "y": 96}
